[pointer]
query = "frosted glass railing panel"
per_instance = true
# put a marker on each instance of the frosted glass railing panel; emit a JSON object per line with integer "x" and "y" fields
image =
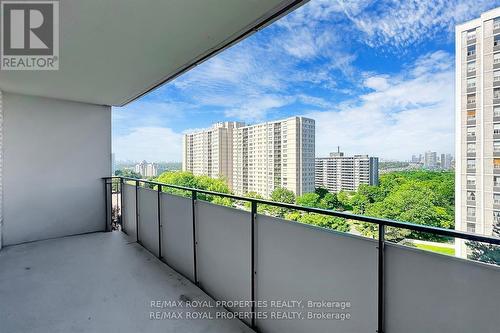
{"x": 177, "y": 233}
{"x": 128, "y": 210}
{"x": 298, "y": 262}
{"x": 148, "y": 219}
{"x": 224, "y": 252}
{"x": 433, "y": 293}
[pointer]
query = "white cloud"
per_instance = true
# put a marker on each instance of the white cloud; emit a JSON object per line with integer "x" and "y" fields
{"x": 150, "y": 143}
{"x": 256, "y": 108}
{"x": 377, "y": 83}
{"x": 403, "y": 23}
{"x": 406, "y": 114}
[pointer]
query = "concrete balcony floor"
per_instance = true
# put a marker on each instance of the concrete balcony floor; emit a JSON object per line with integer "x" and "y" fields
{"x": 98, "y": 282}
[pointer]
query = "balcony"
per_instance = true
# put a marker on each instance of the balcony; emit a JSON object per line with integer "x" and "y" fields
{"x": 471, "y": 89}
{"x": 181, "y": 248}
{"x": 64, "y": 267}
{"x": 496, "y": 29}
{"x": 471, "y": 56}
{"x": 471, "y": 218}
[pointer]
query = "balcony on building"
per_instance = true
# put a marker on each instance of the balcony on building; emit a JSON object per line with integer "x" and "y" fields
{"x": 496, "y": 26}
{"x": 496, "y": 95}
{"x": 83, "y": 252}
{"x": 496, "y": 42}
{"x": 496, "y": 60}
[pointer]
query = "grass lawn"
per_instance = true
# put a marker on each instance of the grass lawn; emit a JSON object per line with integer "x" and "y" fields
{"x": 438, "y": 249}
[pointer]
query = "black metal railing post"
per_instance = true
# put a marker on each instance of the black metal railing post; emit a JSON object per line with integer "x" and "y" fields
{"x": 194, "y": 197}
{"x": 106, "y": 204}
{"x": 381, "y": 292}
{"x": 254, "y": 272}
{"x": 159, "y": 221}
{"x": 137, "y": 211}
{"x": 121, "y": 202}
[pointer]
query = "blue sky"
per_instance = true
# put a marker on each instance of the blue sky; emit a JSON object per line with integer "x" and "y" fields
{"x": 377, "y": 76}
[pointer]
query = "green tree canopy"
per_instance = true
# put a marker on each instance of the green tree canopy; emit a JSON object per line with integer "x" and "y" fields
{"x": 128, "y": 173}
{"x": 187, "y": 179}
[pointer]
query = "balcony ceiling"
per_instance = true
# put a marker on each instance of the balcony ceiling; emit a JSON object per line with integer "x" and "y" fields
{"x": 114, "y": 51}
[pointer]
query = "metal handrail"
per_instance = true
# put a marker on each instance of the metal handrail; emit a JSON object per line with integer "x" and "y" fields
{"x": 376, "y": 220}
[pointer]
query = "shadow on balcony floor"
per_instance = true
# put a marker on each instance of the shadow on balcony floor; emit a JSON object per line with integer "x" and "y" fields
{"x": 94, "y": 283}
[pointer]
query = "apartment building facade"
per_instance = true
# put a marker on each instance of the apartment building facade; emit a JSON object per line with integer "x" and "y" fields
{"x": 478, "y": 126}
{"x": 209, "y": 151}
{"x": 274, "y": 154}
{"x": 146, "y": 169}
{"x": 345, "y": 173}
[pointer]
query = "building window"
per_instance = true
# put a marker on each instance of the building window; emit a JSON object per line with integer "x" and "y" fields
{"x": 496, "y": 58}
{"x": 496, "y": 111}
{"x": 471, "y": 212}
{"x": 471, "y": 34}
{"x": 496, "y": 163}
{"x": 471, "y": 99}
{"x": 496, "y": 40}
{"x": 471, "y": 115}
{"x": 496, "y": 146}
{"x": 471, "y": 50}
{"x": 496, "y": 199}
{"x": 471, "y": 227}
{"x": 471, "y": 66}
{"x": 471, "y": 196}
{"x": 496, "y": 216}
{"x": 471, "y": 132}
{"x": 471, "y": 180}
{"x": 496, "y": 128}
{"x": 471, "y": 83}
{"x": 496, "y": 181}
{"x": 496, "y": 93}
{"x": 471, "y": 148}
{"x": 496, "y": 76}
{"x": 471, "y": 164}
{"x": 496, "y": 23}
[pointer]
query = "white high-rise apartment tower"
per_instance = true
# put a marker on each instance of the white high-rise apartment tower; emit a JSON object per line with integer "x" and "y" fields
{"x": 478, "y": 126}
{"x": 274, "y": 154}
{"x": 209, "y": 152}
{"x": 345, "y": 173}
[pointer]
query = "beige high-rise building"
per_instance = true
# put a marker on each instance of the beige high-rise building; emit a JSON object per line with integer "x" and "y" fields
{"x": 274, "y": 154}
{"x": 478, "y": 126}
{"x": 209, "y": 152}
{"x": 146, "y": 169}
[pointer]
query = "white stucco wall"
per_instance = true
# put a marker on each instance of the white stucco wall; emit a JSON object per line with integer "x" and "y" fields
{"x": 54, "y": 155}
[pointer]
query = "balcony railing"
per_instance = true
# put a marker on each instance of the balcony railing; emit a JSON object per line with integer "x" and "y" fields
{"x": 235, "y": 254}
